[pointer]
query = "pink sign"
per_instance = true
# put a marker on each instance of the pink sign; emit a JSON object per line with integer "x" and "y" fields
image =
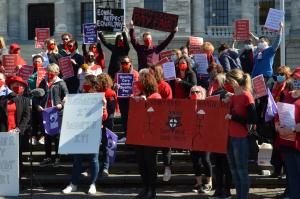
{"x": 259, "y": 86}
{"x": 10, "y": 63}
{"x": 41, "y": 35}
{"x": 25, "y": 72}
{"x": 66, "y": 67}
{"x": 242, "y": 30}
{"x": 41, "y": 73}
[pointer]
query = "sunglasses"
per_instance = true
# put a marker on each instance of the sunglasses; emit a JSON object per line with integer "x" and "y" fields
{"x": 65, "y": 39}
{"x": 70, "y": 46}
{"x": 281, "y": 74}
{"x": 195, "y": 91}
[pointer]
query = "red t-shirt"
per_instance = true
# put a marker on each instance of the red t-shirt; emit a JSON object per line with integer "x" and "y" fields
{"x": 165, "y": 90}
{"x": 154, "y": 96}
{"x": 11, "y": 115}
{"x": 238, "y": 106}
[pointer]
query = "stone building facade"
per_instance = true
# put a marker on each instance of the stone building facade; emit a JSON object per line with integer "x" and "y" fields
{"x": 210, "y": 19}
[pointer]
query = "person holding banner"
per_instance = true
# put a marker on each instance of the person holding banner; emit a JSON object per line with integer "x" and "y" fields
{"x": 77, "y": 61}
{"x": 146, "y": 155}
{"x": 55, "y": 96}
{"x": 148, "y": 53}
{"x": 242, "y": 114}
{"x": 98, "y": 53}
{"x": 118, "y": 51}
{"x": 15, "y": 48}
{"x": 185, "y": 80}
{"x": 63, "y": 49}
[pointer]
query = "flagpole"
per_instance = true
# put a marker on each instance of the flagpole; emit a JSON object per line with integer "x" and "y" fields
{"x": 94, "y": 11}
{"x": 282, "y": 44}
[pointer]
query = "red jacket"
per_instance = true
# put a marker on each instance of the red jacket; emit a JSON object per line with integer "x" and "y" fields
{"x": 165, "y": 90}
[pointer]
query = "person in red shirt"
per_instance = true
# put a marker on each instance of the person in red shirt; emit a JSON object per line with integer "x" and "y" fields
{"x": 288, "y": 139}
{"x": 96, "y": 49}
{"x": 242, "y": 114}
{"x": 147, "y": 155}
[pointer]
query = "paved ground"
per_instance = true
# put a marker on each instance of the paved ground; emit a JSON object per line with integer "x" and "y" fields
{"x": 129, "y": 192}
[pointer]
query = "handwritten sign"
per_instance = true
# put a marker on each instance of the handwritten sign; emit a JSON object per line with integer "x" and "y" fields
{"x": 89, "y": 33}
{"x": 169, "y": 70}
{"x": 154, "y": 20}
{"x": 41, "y": 73}
{"x": 273, "y": 19}
{"x": 241, "y": 30}
{"x": 41, "y": 34}
{"x": 81, "y": 124}
{"x": 108, "y": 19}
{"x": 25, "y": 72}
{"x": 259, "y": 86}
{"x": 66, "y": 67}
{"x": 125, "y": 81}
{"x": 10, "y": 63}
{"x": 9, "y": 164}
{"x": 201, "y": 61}
{"x": 286, "y": 114}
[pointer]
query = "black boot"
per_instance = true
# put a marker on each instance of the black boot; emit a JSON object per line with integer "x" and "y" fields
{"x": 142, "y": 194}
{"x": 151, "y": 194}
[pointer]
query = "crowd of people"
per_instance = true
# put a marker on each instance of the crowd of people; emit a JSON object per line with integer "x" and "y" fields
{"x": 228, "y": 76}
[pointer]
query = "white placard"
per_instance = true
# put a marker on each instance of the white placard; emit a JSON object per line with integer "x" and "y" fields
{"x": 9, "y": 164}
{"x": 264, "y": 154}
{"x": 81, "y": 124}
{"x": 273, "y": 19}
{"x": 169, "y": 70}
{"x": 201, "y": 61}
{"x": 286, "y": 114}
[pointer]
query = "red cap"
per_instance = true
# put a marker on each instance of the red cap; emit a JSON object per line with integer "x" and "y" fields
{"x": 296, "y": 73}
{"x": 14, "y": 46}
{"x": 13, "y": 79}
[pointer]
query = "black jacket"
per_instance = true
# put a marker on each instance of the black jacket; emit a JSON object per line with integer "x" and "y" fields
{"x": 188, "y": 82}
{"x": 73, "y": 82}
{"x": 116, "y": 53}
{"x": 23, "y": 112}
{"x": 229, "y": 60}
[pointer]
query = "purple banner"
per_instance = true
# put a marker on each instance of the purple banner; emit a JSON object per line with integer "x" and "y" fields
{"x": 271, "y": 108}
{"x": 89, "y": 33}
{"x": 111, "y": 145}
{"x": 52, "y": 121}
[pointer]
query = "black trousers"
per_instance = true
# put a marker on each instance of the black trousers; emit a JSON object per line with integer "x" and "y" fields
{"x": 48, "y": 145}
{"x": 146, "y": 157}
{"x": 124, "y": 108}
{"x": 166, "y": 155}
{"x": 205, "y": 160}
{"x": 222, "y": 172}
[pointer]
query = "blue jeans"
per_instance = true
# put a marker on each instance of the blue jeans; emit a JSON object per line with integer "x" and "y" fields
{"x": 238, "y": 150}
{"x": 292, "y": 165}
{"x": 94, "y": 167}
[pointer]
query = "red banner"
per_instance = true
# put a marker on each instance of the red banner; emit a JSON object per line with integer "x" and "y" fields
{"x": 66, "y": 67}
{"x": 41, "y": 73}
{"x": 177, "y": 124}
{"x": 10, "y": 63}
{"x": 166, "y": 53}
{"x": 242, "y": 30}
{"x": 41, "y": 35}
{"x": 25, "y": 72}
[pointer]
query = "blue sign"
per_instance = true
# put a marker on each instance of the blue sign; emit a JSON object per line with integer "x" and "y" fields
{"x": 124, "y": 81}
{"x": 51, "y": 121}
{"x": 89, "y": 33}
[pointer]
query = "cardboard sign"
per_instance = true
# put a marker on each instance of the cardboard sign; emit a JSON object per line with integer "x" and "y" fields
{"x": 177, "y": 124}
{"x": 241, "y": 30}
{"x": 166, "y": 53}
{"x": 25, "y": 72}
{"x": 169, "y": 71}
{"x": 108, "y": 19}
{"x": 154, "y": 20}
{"x": 273, "y": 19}
{"x": 125, "y": 81}
{"x": 10, "y": 63}
{"x": 81, "y": 124}
{"x": 42, "y": 34}
{"x": 259, "y": 86}
{"x": 9, "y": 164}
{"x": 162, "y": 61}
{"x": 286, "y": 113}
{"x": 41, "y": 73}
{"x": 89, "y": 33}
{"x": 66, "y": 67}
{"x": 202, "y": 62}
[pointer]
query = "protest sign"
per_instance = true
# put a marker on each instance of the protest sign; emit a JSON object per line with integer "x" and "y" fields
{"x": 51, "y": 121}
{"x": 9, "y": 164}
{"x": 202, "y": 62}
{"x": 41, "y": 35}
{"x": 176, "y": 124}
{"x": 89, "y": 33}
{"x": 81, "y": 124}
{"x": 195, "y": 44}
{"x": 162, "y": 61}
{"x": 259, "y": 86}
{"x": 25, "y": 72}
{"x": 66, "y": 67}
{"x": 41, "y": 73}
{"x": 169, "y": 71}
{"x": 125, "y": 81}
{"x": 112, "y": 140}
{"x": 166, "y": 53}
{"x": 10, "y": 63}
{"x": 108, "y": 19}
{"x": 154, "y": 20}
{"x": 286, "y": 114}
{"x": 241, "y": 30}
{"x": 273, "y": 19}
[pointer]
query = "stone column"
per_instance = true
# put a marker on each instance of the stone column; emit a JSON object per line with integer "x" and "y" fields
{"x": 3, "y": 17}
{"x": 247, "y": 12}
{"x": 295, "y": 22}
{"x": 13, "y": 19}
{"x": 198, "y": 17}
{"x": 60, "y": 11}
{"x": 23, "y": 19}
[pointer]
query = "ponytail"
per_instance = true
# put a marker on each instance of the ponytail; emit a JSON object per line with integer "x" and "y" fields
{"x": 247, "y": 82}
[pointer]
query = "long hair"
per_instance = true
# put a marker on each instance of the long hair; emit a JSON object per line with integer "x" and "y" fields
{"x": 104, "y": 82}
{"x": 149, "y": 84}
{"x": 243, "y": 79}
{"x": 158, "y": 73}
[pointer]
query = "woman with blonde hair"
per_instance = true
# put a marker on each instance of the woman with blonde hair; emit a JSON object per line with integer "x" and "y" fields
{"x": 52, "y": 51}
{"x": 242, "y": 114}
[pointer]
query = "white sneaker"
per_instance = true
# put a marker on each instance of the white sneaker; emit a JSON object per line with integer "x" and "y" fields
{"x": 33, "y": 141}
{"x": 70, "y": 188}
{"x": 42, "y": 140}
{"x": 122, "y": 140}
{"x": 92, "y": 189}
{"x": 167, "y": 174}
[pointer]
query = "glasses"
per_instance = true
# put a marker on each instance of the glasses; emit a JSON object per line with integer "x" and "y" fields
{"x": 195, "y": 91}
{"x": 65, "y": 39}
{"x": 281, "y": 74}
